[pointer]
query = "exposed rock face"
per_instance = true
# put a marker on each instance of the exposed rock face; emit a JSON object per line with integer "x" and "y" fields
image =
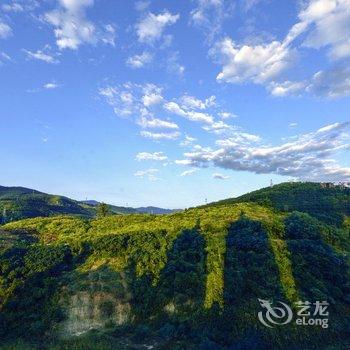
{"x": 86, "y": 311}
{"x": 95, "y": 299}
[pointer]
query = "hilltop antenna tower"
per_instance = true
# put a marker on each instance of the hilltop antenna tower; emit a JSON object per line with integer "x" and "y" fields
{"x": 271, "y": 183}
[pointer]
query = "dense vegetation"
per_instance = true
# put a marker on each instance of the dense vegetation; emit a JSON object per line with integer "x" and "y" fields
{"x": 189, "y": 280}
{"x": 328, "y": 204}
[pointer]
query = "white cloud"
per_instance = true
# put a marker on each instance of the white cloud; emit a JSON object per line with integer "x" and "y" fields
{"x": 151, "y": 27}
{"x": 308, "y": 157}
{"x": 5, "y": 30}
{"x": 220, "y": 176}
{"x": 139, "y": 61}
{"x": 227, "y": 115}
{"x": 73, "y": 29}
{"x": 148, "y": 173}
{"x": 188, "y": 172}
{"x": 174, "y": 108}
{"x": 330, "y": 21}
{"x": 187, "y": 141}
{"x": 183, "y": 162}
{"x": 286, "y": 88}
{"x": 331, "y": 83}
{"x": 12, "y": 7}
{"x": 108, "y": 35}
{"x": 156, "y": 156}
{"x": 199, "y": 117}
{"x": 51, "y": 86}
{"x": 324, "y": 24}
{"x": 20, "y": 6}
{"x": 160, "y": 135}
{"x": 122, "y": 99}
{"x": 152, "y": 98}
{"x": 258, "y": 64}
{"x": 42, "y": 55}
{"x": 209, "y": 15}
{"x": 4, "y": 57}
{"x": 191, "y": 102}
{"x": 173, "y": 65}
{"x": 136, "y": 101}
{"x": 217, "y": 127}
{"x": 141, "y": 5}
{"x": 155, "y": 123}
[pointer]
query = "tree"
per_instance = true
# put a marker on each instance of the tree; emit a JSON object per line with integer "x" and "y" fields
{"x": 102, "y": 210}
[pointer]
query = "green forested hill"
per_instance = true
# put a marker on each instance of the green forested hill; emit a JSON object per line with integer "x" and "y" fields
{"x": 18, "y": 203}
{"x": 188, "y": 280}
{"x": 326, "y": 204}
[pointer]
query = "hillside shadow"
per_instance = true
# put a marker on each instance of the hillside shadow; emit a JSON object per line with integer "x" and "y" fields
{"x": 321, "y": 274}
{"x": 182, "y": 281}
{"x": 251, "y": 273}
{"x": 173, "y": 304}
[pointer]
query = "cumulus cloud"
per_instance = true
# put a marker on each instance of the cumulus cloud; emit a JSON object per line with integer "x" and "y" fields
{"x": 72, "y": 28}
{"x": 139, "y": 61}
{"x": 156, "y": 156}
{"x": 331, "y": 26}
{"x": 257, "y": 64}
{"x": 323, "y": 23}
{"x": 151, "y": 27}
{"x": 308, "y": 157}
{"x": 152, "y": 97}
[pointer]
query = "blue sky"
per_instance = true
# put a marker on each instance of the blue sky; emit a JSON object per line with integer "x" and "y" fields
{"x": 170, "y": 103}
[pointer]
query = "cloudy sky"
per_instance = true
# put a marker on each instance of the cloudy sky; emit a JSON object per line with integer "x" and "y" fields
{"x": 170, "y": 103}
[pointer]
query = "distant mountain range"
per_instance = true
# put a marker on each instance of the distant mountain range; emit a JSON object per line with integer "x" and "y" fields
{"x": 20, "y": 203}
{"x": 130, "y": 210}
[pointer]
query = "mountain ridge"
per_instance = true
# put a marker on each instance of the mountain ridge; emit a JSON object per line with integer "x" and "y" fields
{"x": 18, "y": 203}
